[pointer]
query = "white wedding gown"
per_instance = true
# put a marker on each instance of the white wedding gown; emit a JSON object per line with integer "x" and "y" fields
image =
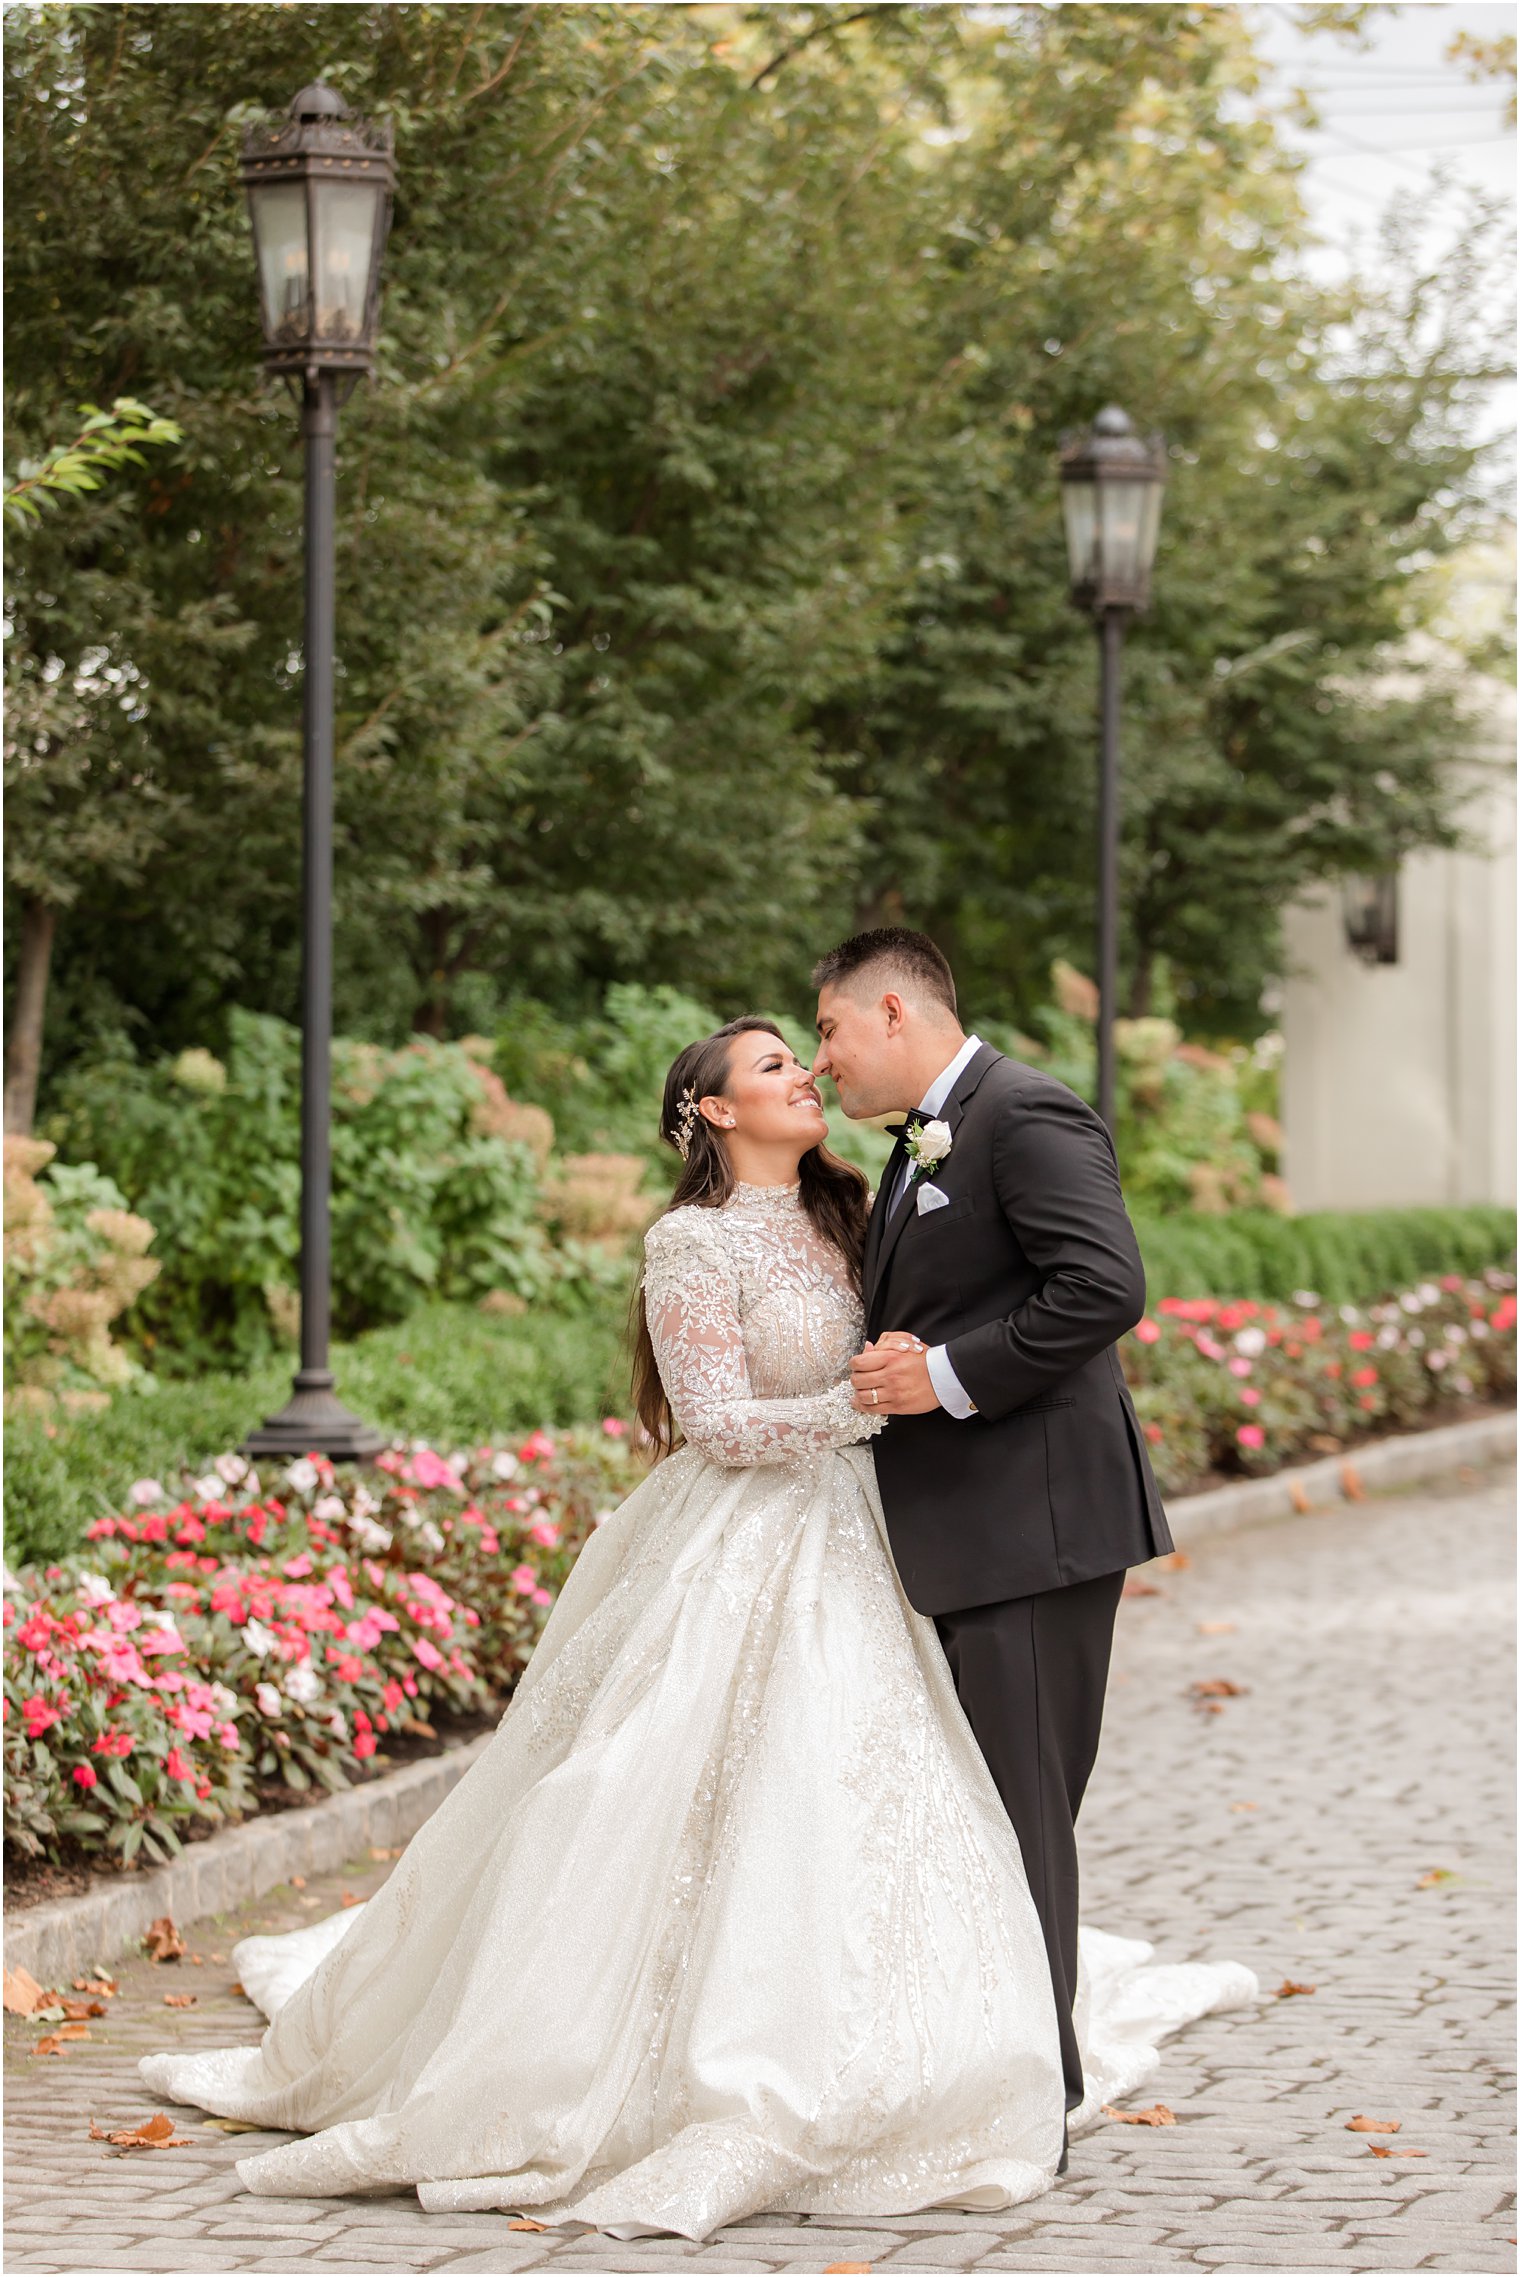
{"x": 728, "y": 1918}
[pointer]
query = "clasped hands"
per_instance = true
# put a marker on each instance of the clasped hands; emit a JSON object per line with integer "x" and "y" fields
{"x": 891, "y": 1376}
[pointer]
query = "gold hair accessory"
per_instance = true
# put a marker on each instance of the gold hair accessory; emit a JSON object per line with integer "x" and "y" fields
{"x": 686, "y": 1120}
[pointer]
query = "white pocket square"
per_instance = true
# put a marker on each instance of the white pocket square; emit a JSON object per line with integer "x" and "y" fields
{"x": 930, "y": 1198}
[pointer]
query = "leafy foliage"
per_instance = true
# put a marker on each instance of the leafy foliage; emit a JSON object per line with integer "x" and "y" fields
{"x": 106, "y": 441}
{"x": 426, "y": 1200}
{"x": 75, "y": 1257}
{"x": 701, "y": 588}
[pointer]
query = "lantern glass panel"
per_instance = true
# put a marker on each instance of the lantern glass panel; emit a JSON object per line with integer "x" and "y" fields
{"x": 279, "y": 229}
{"x": 1122, "y": 517}
{"x": 346, "y": 217}
{"x": 1081, "y": 531}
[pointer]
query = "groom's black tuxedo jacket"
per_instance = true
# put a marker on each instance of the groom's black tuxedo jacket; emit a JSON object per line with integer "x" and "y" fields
{"x": 1028, "y": 1276}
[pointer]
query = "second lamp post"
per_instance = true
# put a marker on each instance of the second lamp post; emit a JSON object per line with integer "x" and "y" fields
{"x": 1111, "y": 484}
{"x": 319, "y": 194}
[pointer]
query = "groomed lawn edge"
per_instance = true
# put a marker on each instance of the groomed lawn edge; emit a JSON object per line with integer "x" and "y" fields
{"x": 64, "y": 1938}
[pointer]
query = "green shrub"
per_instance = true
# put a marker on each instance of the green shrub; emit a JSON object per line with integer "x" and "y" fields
{"x": 427, "y": 1199}
{"x": 1344, "y": 1257}
{"x": 450, "y": 1374}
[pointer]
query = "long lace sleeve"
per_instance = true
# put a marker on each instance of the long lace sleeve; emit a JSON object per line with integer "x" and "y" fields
{"x": 691, "y": 1304}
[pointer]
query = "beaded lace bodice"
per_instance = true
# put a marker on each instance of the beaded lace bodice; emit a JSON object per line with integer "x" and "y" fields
{"x": 754, "y": 1320}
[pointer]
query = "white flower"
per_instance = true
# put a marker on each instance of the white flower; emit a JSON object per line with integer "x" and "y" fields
{"x": 269, "y": 1701}
{"x": 230, "y": 1468}
{"x": 1410, "y": 1302}
{"x": 330, "y": 1507}
{"x": 146, "y": 1490}
{"x": 224, "y": 1699}
{"x": 1250, "y": 1341}
{"x": 95, "y": 1589}
{"x": 1387, "y": 1339}
{"x": 431, "y": 1535}
{"x": 207, "y": 1489}
{"x": 929, "y": 1144}
{"x": 258, "y": 1639}
{"x": 503, "y": 1466}
{"x": 337, "y": 1724}
{"x": 1478, "y": 1330}
{"x": 1430, "y": 1293}
{"x": 302, "y": 1683}
{"x": 365, "y": 1504}
{"x": 1436, "y": 1360}
{"x": 370, "y": 1536}
{"x": 1306, "y": 1296}
{"x": 1350, "y": 1315}
{"x": 1416, "y": 1338}
{"x": 303, "y": 1477}
{"x": 1454, "y": 1334}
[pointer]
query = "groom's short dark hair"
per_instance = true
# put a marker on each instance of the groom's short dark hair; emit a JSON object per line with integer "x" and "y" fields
{"x": 901, "y": 955}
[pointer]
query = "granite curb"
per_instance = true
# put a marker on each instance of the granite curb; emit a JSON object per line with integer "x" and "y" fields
{"x": 62, "y": 1939}
{"x": 1413, "y": 1458}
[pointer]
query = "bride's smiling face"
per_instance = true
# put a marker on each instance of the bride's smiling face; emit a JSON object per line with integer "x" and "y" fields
{"x": 770, "y": 1101}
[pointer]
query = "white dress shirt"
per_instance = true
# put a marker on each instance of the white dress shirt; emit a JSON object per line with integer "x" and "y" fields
{"x": 948, "y": 1388}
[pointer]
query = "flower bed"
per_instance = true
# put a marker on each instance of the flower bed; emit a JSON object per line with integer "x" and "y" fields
{"x": 1237, "y": 1389}
{"x": 213, "y": 1651}
{"x": 206, "y": 1652}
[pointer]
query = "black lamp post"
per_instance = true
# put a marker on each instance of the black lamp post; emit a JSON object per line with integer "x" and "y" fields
{"x": 1111, "y": 484}
{"x": 319, "y": 195}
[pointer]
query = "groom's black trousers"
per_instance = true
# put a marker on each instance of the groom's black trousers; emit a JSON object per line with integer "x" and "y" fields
{"x": 1031, "y": 1674}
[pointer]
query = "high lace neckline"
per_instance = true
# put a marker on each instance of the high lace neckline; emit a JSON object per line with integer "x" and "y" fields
{"x": 765, "y": 1197}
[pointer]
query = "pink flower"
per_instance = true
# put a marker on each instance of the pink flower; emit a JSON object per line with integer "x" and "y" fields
{"x": 178, "y": 1764}
{"x": 1250, "y": 1396}
{"x": 614, "y": 1427}
{"x": 338, "y": 1582}
{"x": 84, "y": 1775}
{"x": 429, "y": 1470}
{"x": 392, "y": 1695}
{"x": 542, "y": 1597}
{"x": 365, "y": 1743}
{"x": 161, "y": 1640}
{"x": 33, "y": 1634}
{"x": 1146, "y": 1331}
{"x": 146, "y": 1490}
{"x": 1239, "y": 1367}
{"x": 296, "y": 1569}
{"x": 40, "y": 1717}
{"x": 427, "y": 1653}
{"x": 538, "y": 1447}
{"x": 228, "y": 1735}
{"x": 524, "y": 1580}
{"x": 1251, "y": 1435}
{"x": 1209, "y": 1349}
{"x": 545, "y": 1533}
{"x": 112, "y": 1743}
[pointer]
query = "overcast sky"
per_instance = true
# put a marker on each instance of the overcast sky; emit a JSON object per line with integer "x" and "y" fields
{"x": 1394, "y": 112}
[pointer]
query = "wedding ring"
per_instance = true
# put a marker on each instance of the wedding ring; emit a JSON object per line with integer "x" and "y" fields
{"x": 875, "y": 1397}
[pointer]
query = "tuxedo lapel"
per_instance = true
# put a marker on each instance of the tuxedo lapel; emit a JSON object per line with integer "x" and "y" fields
{"x": 880, "y": 1249}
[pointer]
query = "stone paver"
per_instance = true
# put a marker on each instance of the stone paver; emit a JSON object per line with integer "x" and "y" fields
{"x": 1373, "y": 1742}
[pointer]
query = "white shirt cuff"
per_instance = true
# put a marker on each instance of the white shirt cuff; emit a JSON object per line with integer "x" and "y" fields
{"x": 948, "y": 1388}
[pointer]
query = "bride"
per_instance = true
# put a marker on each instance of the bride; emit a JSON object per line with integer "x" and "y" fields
{"x": 728, "y": 1917}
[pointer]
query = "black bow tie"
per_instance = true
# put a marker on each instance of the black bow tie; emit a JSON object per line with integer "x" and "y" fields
{"x": 894, "y": 1130}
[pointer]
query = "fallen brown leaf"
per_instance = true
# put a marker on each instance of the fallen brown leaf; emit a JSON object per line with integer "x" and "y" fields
{"x": 196, "y": 1961}
{"x": 237, "y": 1988}
{"x": 1386, "y": 2150}
{"x": 523, "y": 2224}
{"x": 1362, "y": 2125}
{"x": 23, "y": 1995}
{"x": 1156, "y": 2116}
{"x": 156, "y": 2133}
{"x": 1174, "y": 1561}
{"x": 848, "y": 2269}
{"x": 1209, "y": 1707}
{"x": 73, "y": 2031}
{"x": 1351, "y": 1483}
{"x": 102, "y": 1986}
{"x": 1298, "y": 1495}
{"x": 163, "y": 1941}
{"x": 1245, "y": 1806}
{"x": 1140, "y": 1589}
{"x": 1436, "y": 1875}
{"x": 78, "y": 2009}
{"x": 348, "y": 1899}
{"x": 380, "y": 1856}
{"x": 49, "y": 2045}
{"x": 180, "y": 1999}
{"x": 298, "y": 1881}
{"x": 1288, "y": 1988}
{"x": 1216, "y": 1628}
{"x": 1217, "y": 1688}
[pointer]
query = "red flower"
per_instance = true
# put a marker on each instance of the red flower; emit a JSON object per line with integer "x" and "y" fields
{"x": 178, "y": 1764}
{"x": 1364, "y": 1376}
{"x": 84, "y": 1775}
{"x": 365, "y": 1743}
{"x": 1361, "y": 1340}
{"x": 112, "y": 1743}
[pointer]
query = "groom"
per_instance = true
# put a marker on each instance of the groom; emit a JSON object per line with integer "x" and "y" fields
{"x": 1000, "y": 1269}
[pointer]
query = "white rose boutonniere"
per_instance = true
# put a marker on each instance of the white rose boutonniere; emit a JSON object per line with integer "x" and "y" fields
{"x": 927, "y": 1144}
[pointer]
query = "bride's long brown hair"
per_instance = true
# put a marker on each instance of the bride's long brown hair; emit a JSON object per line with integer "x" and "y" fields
{"x": 833, "y": 1193}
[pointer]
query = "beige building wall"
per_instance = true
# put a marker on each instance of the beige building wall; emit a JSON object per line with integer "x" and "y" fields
{"x": 1398, "y": 1081}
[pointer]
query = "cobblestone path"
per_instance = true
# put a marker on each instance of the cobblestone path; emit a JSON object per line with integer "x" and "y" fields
{"x": 1344, "y": 1821}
